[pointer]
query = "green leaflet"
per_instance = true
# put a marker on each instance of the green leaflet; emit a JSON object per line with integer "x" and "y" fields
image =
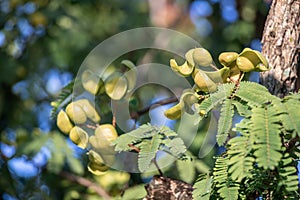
{"x": 254, "y": 94}
{"x": 242, "y": 108}
{"x": 147, "y": 152}
{"x": 290, "y": 115}
{"x": 240, "y": 160}
{"x": 265, "y": 130}
{"x": 288, "y": 173}
{"x": 63, "y": 99}
{"x": 176, "y": 146}
{"x": 225, "y": 121}
{"x": 214, "y": 100}
{"x": 203, "y": 187}
{"x": 135, "y": 192}
{"x": 132, "y": 137}
{"x": 227, "y": 189}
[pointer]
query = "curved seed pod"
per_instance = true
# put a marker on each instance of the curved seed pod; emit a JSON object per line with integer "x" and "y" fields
{"x": 235, "y": 73}
{"x": 63, "y": 122}
{"x": 104, "y": 135}
{"x": 189, "y": 57}
{"x": 226, "y": 58}
{"x": 79, "y": 137}
{"x": 219, "y": 76}
{"x": 204, "y": 83}
{"x": 76, "y": 113}
{"x": 251, "y": 60}
{"x": 188, "y": 99}
{"x": 185, "y": 70}
{"x": 174, "y": 112}
{"x": 202, "y": 57}
{"x": 116, "y": 86}
{"x": 130, "y": 75}
{"x": 89, "y": 110}
{"x": 96, "y": 165}
{"x": 91, "y": 82}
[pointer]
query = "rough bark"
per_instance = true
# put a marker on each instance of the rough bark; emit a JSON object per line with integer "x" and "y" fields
{"x": 281, "y": 47}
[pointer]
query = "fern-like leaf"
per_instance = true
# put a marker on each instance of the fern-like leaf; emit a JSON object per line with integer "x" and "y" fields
{"x": 63, "y": 99}
{"x": 203, "y": 187}
{"x": 225, "y": 121}
{"x": 226, "y": 188}
{"x": 123, "y": 141}
{"x": 265, "y": 131}
{"x": 214, "y": 100}
{"x": 240, "y": 161}
{"x": 175, "y": 146}
{"x": 242, "y": 108}
{"x": 290, "y": 115}
{"x": 254, "y": 94}
{"x": 147, "y": 152}
{"x": 289, "y": 176}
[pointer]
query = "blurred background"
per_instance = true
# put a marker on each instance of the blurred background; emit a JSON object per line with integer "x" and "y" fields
{"x": 42, "y": 45}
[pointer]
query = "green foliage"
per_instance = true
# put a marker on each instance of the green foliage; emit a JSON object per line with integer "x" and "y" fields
{"x": 225, "y": 121}
{"x": 147, "y": 140}
{"x": 135, "y": 192}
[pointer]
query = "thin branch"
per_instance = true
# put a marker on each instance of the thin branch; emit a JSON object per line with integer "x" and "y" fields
{"x": 85, "y": 182}
{"x": 137, "y": 114}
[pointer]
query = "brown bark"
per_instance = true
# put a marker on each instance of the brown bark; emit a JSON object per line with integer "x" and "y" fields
{"x": 281, "y": 46}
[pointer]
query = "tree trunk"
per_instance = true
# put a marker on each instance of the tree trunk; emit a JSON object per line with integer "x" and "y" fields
{"x": 281, "y": 47}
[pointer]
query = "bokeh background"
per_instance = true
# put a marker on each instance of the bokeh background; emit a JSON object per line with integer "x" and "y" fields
{"x": 42, "y": 45}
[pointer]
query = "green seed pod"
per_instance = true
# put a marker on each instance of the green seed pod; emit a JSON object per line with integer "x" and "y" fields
{"x": 235, "y": 73}
{"x": 116, "y": 86}
{"x": 188, "y": 99}
{"x": 96, "y": 165}
{"x": 79, "y": 137}
{"x": 185, "y": 70}
{"x": 63, "y": 122}
{"x": 89, "y": 110}
{"x": 189, "y": 57}
{"x": 91, "y": 82}
{"x": 219, "y": 76}
{"x": 251, "y": 60}
{"x": 202, "y": 57}
{"x": 227, "y": 58}
{"x": 130, "y": 75}
{"x": 104, "y": 135}
{"x": 204, "y": 83}
{"x": 174, "y": 112}
{"x": 76, "y": 113}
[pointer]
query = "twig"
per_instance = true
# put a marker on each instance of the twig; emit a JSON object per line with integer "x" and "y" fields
{"x": 156, "y": 165}
{"x": 134, "y": 148}
{"x": 85, "y": 182}
{"x": 137, "y": 114}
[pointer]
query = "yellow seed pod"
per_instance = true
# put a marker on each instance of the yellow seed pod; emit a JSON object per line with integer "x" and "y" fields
{"x": 116, "y": 86}
{"x": 76, "y": 113}
{"x": 235, "y": 73}
{"x": 96, "y": 165}
{"x": 174, "y": 112}
{"x": 202, "y": 57}
{"x": 189, "y": 57}
{"x": 91, "y": 82}
{"x": 63, "y": 122}
{"x": 226, "y": 58}
{"x": 185, "y": 70}
{"x": 89, "y": 110}
{"x": 251, "y": 60}
{"x": 188, "y": 99}
{"x": 219, "y": 76}
{"x": 79, "y": 137}
{"x": 104, "y": 135}
{"x": 204, "y": 83}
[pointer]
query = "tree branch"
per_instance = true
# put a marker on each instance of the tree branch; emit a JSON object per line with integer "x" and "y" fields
{"x": 137, "y": 114}
{"x": 86, "y": 183}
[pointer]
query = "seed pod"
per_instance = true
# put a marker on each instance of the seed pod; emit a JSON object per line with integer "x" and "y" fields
{"x": 227, "y": 58}
{"x": 130, "y": 75}
{"x": 251, "y": 60}
{"x": 204, "y": 83}
{"x": 185, "y": 70}
{"x": 63, "y": 122}
{"x": 76, "y": 113}
{"x": 188, "y": 99}
{"x": 189, "y": 57}
{"x": 96, "y": 164}
{"x": 91, "y": 82}
{"x": 116, "y": 86}
{"x": 79, "y": 137}
{"x": 202, "y": 57}
{"x": 89, "y": 110}
{"x": 104, "y": 135}
{"x": 174, "y": 112}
